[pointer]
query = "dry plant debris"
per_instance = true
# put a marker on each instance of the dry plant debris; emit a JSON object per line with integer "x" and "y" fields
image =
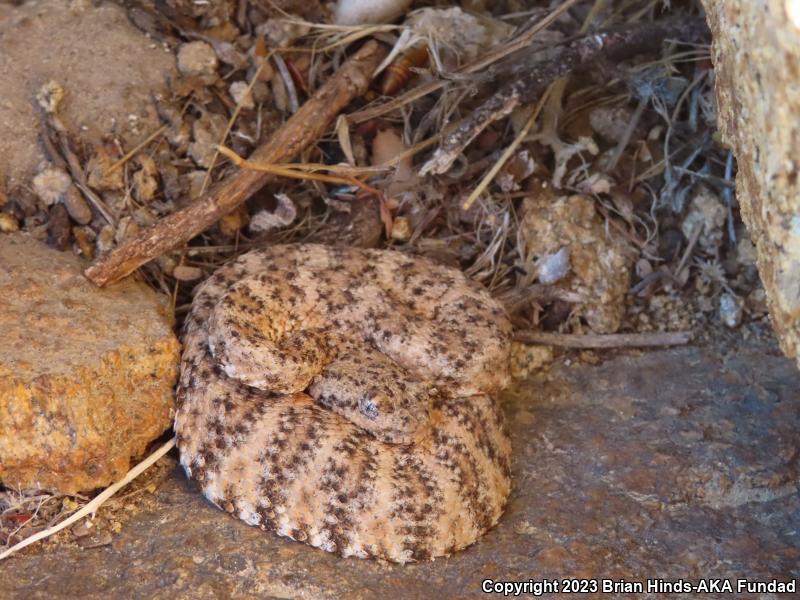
{"x": 639, "y": 234}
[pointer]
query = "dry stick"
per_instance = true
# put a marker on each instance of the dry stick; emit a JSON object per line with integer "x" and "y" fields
{"x": 302, "y": 129}
{"x": 283, "y": 170}
{"x": 231, "y": 121}
{"x": 612, "y": 45}
{"x": 136, "y": 149}
{"x": 55, "y": 131}
{"x": 510, "y": 149}
{"x": 300, "y": 170}
{"x": 611, "y": 340}
{"x": 95, "y": 503}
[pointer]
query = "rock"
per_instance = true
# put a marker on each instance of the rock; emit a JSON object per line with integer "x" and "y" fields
{"x": 207, "y": 133}
{"x": 569, "y": 227}
{"x": 359, "y": 12}
{"x": 282, "y": 215}
{"x": 526, "y": 359}
{"x": 730, "y": 310}
{"x": 185, "y": 273}
{"x": 109, "y": 72}
{"x": 54, "y": 185}
{"x": 756, "y": 52}
{"x": 242, "y": 95}
{"x": 707, "y": 213}
{"x": 197, "y": 58}
{"x": 552, "y": 268}
{"x": 358, "y": 224}
{"x": 86, "y": 374}
{"x": 8, "y": 223}
{"x": 612, "y": 122}
{"x": 51, "y": 184}
{"x": 401, "y": 229}
{"x": 669, "y": 464}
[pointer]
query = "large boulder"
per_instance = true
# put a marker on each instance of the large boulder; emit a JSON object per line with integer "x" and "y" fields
{"x": 86, "y": 374}
{"x": 756, "y": 55}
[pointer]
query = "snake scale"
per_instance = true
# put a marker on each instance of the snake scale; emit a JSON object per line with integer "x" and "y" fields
{"x": 345, "y": 398}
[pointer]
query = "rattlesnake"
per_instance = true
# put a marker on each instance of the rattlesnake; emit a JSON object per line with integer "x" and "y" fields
{"x": 344, "y": 398}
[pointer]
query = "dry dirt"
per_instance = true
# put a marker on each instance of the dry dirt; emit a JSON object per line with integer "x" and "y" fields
{"x": 110, "y": 71}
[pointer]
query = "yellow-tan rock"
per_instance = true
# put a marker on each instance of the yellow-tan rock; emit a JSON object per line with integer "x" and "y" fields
{"x": 756, "y": 54}
{"x": 598, "y": 266}
{"x": 86, "y": 374}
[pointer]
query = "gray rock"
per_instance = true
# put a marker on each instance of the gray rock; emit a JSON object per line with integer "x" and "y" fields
{"x": 756, "y": 51}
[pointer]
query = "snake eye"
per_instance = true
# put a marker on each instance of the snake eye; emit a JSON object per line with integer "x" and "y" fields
{"x": 369, "y": 408}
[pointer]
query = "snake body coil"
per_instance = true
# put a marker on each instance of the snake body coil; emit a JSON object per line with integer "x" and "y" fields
{"x": 345, "y": 398}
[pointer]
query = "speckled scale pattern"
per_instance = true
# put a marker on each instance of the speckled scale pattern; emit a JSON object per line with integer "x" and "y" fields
{"x": 345, "y": 398}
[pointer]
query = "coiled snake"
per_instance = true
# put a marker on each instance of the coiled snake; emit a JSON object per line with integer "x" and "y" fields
{"x": 345, "y": 398}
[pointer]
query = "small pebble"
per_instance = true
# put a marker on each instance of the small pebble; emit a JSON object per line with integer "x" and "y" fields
{"x": 401, "y": 229}
{"x": 554, "y": 267}
{"x": 76, "y": 205}
{"x": 96, "y": 540}
{"x": 8, "y": 223}
{"x": 186, "y": 273}
{"x": 197, "y": 58}
{"x": 241, "y": 94}
{"x": 51, "y": 184}
{"x": 730, "y": 310}
{"x": 105, "y": 239}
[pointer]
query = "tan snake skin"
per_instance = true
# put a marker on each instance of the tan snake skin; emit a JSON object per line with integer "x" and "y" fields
{"x": 346, "y": 398}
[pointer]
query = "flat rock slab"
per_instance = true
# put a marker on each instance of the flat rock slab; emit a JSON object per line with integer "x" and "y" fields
{"x": 86, "y": 375}
{"x": 674, "y": 464}
{"x": 109, "y": 70}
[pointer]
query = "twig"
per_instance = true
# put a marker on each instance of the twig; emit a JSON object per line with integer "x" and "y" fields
{"x": 300, "y": 131}
{"x": 611, "y": 340}
{"x": 229, "y": 125}
{"x": 136, "y": 149}
{"x": 55, "y": 131}
{"x": 298, "y": 169}
{"x": 522, "y": 41}
{"x": 291, "y": 172}
{"x": 727, "y": 195}
{"x": 512, "y": 147}
{"x": 612, "y": 45}
{"x": 291, "y": 91}
{"x": 626, "y": 136}
{"x": 95, "y": 503}
{"x": 518, "y": 298}
{"x": 698, "y": 228}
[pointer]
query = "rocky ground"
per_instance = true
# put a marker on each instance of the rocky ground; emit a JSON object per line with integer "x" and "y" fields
{"x": 669, "y": 464}
{"x": 617, "y": 215}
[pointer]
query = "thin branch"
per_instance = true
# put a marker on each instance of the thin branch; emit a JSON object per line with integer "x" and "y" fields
{"x": 512, "y": 147}
{"x": 613, "y": 45}
{"x": 294, "y": 172}
{"x": 479, "y": 64}
{"x": 136, "y": 149}
{"x": 94, "y": 504}
{"x": 301, "y": 130}
{"x": 611, "y": 340}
